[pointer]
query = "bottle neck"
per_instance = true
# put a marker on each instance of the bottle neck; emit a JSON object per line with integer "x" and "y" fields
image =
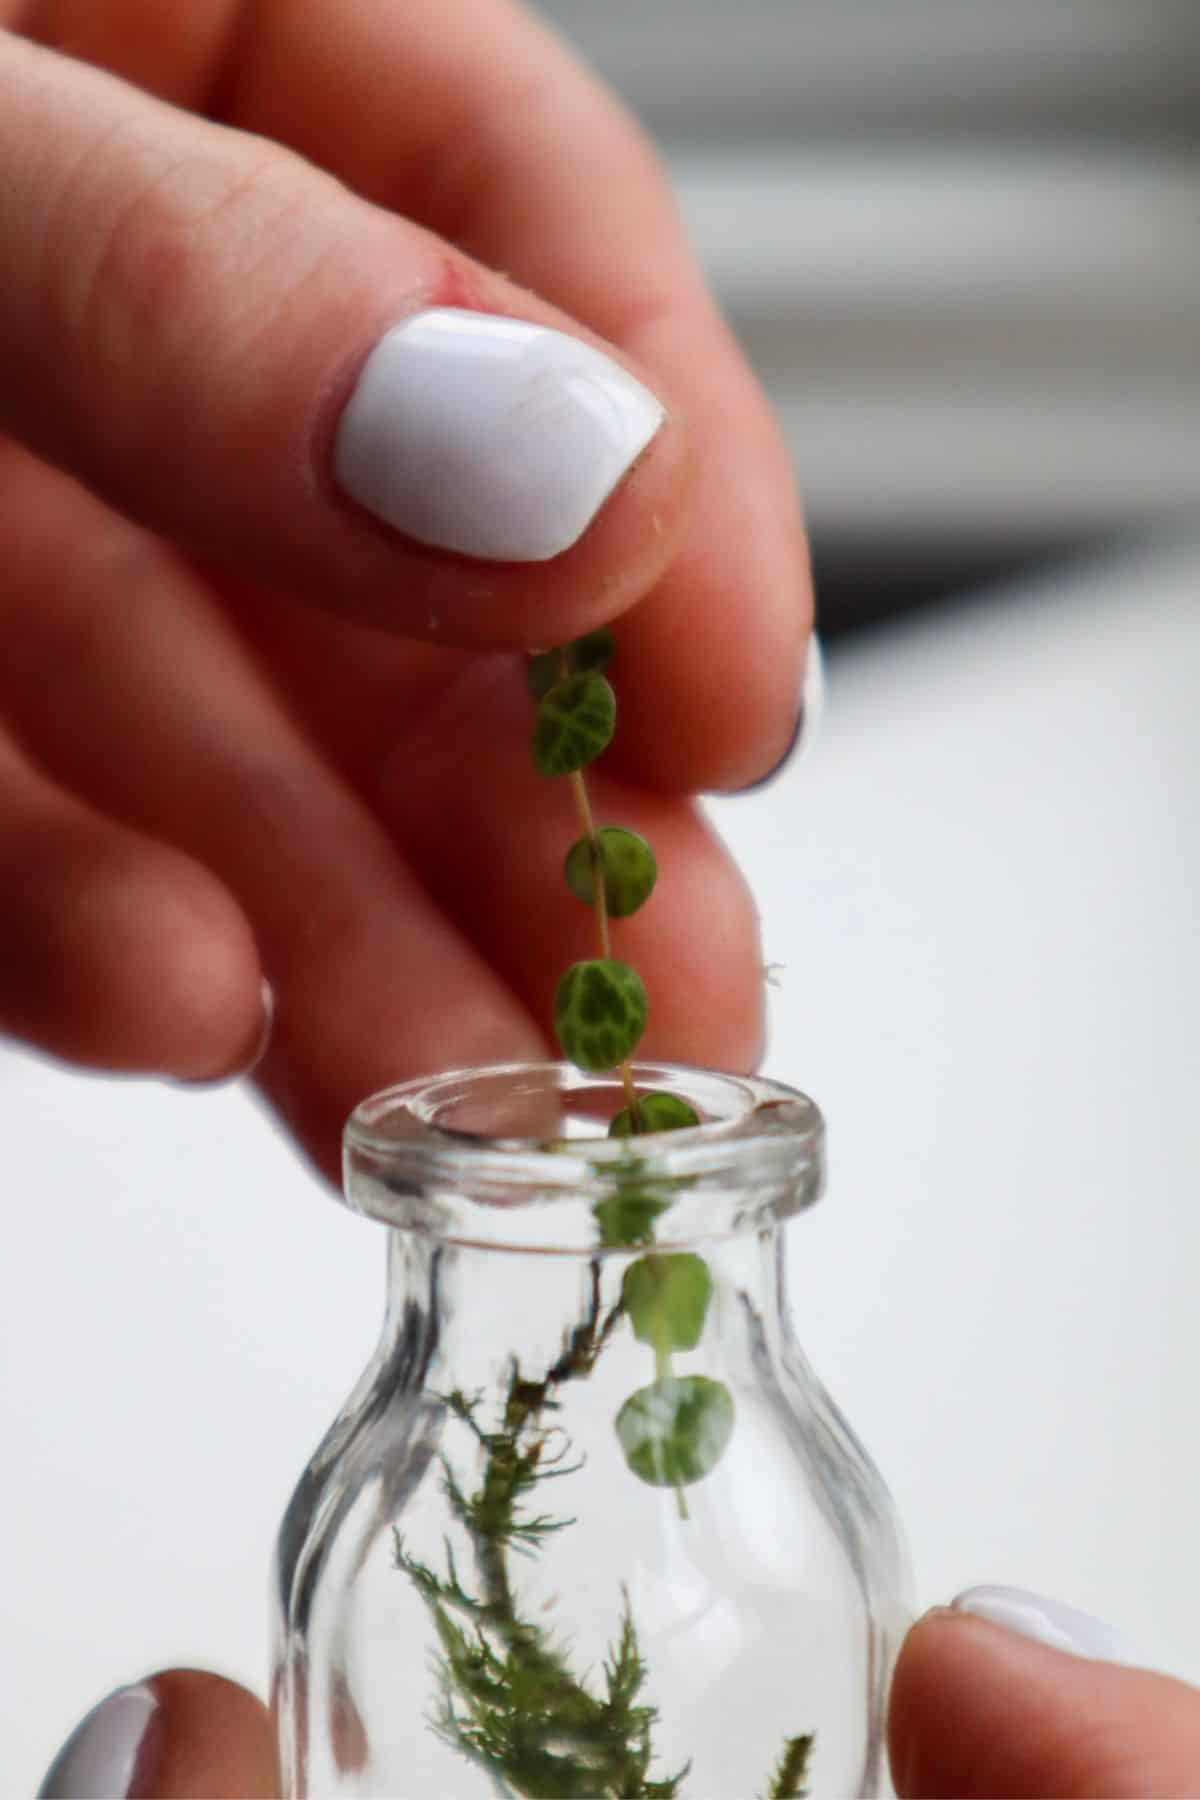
{"x": 460, "y": 1316}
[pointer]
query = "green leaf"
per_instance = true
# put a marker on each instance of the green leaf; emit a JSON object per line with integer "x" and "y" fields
{"x": 599, "y": 1013}
{"x": 594, "y": 650}
{"x": 656, "y": 1112}
{"x": 675, "y": 1431}
{"x": 573, "y": 724}
{"x": 630, "y": 870}
{"x": 667, "y": 1298}
{"x": 626, "y": 1219}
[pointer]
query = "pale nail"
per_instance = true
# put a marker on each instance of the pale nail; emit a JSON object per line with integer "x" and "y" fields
{"x": 267, "y": 994}
{"x": 812, "y": 703}
{"x": 100, "y": 1759}
{"x": 808, "y": 717}
{"x": 1047, "y": 1621}
{"x": 490, "y": 436}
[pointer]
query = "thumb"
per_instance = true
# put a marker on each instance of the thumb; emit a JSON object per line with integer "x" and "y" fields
{"x": 180, "y": 1734}
{"x": 236, "y": 351}
{"x": 981, "y": 1709}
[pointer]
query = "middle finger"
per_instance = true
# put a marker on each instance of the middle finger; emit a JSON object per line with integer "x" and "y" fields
{"x": 128, "y": 685}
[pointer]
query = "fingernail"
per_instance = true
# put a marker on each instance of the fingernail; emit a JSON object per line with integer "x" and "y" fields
{"x": 267, "y": 996}
{"x": 808, "y": 716}
{"x": 247, "y": 1063}
{"x": 110, "y": 1755}
{"x": 490, "y": 436}
{"x": 812, "y": 702}
{"x": 1046, "y": 1622}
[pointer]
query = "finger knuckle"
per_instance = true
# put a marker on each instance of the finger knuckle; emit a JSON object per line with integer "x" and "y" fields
{"x": 142, "y": 250}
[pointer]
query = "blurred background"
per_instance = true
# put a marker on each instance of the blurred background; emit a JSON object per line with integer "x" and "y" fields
{"x": 961, "y": 243}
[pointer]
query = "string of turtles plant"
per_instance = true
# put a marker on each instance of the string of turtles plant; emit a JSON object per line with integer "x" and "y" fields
{"x": 507, "y": 1697}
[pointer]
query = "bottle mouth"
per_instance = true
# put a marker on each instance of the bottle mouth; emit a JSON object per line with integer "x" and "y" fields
{"x": 516, "y": 1157}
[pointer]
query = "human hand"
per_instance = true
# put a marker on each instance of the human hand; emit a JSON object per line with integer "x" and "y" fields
{"x": 1009, "y": 1694}
{"x": 247, "y": 728}
{"x": 976, "y": 1711}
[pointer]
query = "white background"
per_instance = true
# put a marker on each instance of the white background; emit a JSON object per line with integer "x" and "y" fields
{"x": 982, "y": 889}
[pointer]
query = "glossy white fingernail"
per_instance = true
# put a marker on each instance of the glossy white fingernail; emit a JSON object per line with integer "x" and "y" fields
{"x": 812, "y": 703}
{"x": 490, "y": 436}
{"x": 100, "y": 1758}
{"x": 267, "y": 995}
{"x": 1047, "y": 1622}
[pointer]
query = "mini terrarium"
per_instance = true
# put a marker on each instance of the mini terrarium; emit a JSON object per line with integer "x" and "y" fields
{"x": 587, "y": 1526}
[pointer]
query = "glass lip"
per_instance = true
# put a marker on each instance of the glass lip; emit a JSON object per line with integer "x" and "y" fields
{"x": 756, "y": 1158}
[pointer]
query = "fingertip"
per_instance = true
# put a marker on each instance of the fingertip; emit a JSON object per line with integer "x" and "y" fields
{"x": 980, "y": 1710}
{"x": 127, "y": 954}
{"x": 215, "y": 1740}
{"x": 700, "y": 936}
{"x": 177, "y": 983}
{"x": 178, "y": 1735}
{"x": 535, "y": 482}
{"x": 494, "y": 437}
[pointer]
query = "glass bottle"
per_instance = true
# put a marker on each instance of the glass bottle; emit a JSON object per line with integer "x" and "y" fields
{"x": 588, "y": 1524}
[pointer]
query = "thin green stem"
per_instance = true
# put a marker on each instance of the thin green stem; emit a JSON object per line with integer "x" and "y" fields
{"x": 583, "y": 806}
{"x": 599, "y": 897}
{"x": 663, "y": 1370}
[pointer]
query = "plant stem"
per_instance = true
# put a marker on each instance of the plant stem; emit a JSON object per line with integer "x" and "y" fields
{"x": 663, "y": 1371}
{"x": 584, "y": 808}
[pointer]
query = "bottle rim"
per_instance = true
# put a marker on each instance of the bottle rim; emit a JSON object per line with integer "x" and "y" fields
{"x": 514, "y": 1156}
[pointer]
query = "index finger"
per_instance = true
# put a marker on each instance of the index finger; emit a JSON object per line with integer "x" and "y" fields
{"x": 474, "y": 118}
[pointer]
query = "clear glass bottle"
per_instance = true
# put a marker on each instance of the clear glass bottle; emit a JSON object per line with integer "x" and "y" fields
{"x": 588, "y": 1525}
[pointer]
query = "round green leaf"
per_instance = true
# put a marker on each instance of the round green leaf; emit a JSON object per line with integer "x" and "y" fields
{"x": 626, "y": 1218}
{"x": 656, "y": 1112}
{"x": 675, "y": 1431}
{"x": 667, "y": 1298}
{"x": 594, "y": 650}
{"x": 599, "y": 1013}
{"x": 573, "y": 724}
{"x": 630, "y": 870}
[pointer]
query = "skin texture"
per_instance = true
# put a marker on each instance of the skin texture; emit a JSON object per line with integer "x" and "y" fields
{"x": 237, "y": 714}
{"x": 979, "y": 1711}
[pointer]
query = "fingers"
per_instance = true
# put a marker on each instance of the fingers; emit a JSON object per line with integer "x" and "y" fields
{"x": 980, "y": 1711}
{"x": 176, "y": 1736}
{"x": 202, "y": 328}
{"x": 492, "y": 834}
{"x": 512, "y": 150}
{"x": 119, "y": 952}
{"x": 475, "y": 119}
{"x": 115, "y": 644}
{"x": 378, "y": 976}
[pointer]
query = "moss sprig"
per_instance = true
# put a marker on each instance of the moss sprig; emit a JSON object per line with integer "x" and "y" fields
{"x": 507, "y": 1696}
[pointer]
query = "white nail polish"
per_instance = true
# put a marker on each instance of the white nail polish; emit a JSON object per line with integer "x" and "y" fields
{"x": 812, "y": 697}
{"x": 100, "y": 1757}
{"x": 490, "y": 436}
{"x": 267, "y": 995}
{"x": 1047, "y": 1622}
